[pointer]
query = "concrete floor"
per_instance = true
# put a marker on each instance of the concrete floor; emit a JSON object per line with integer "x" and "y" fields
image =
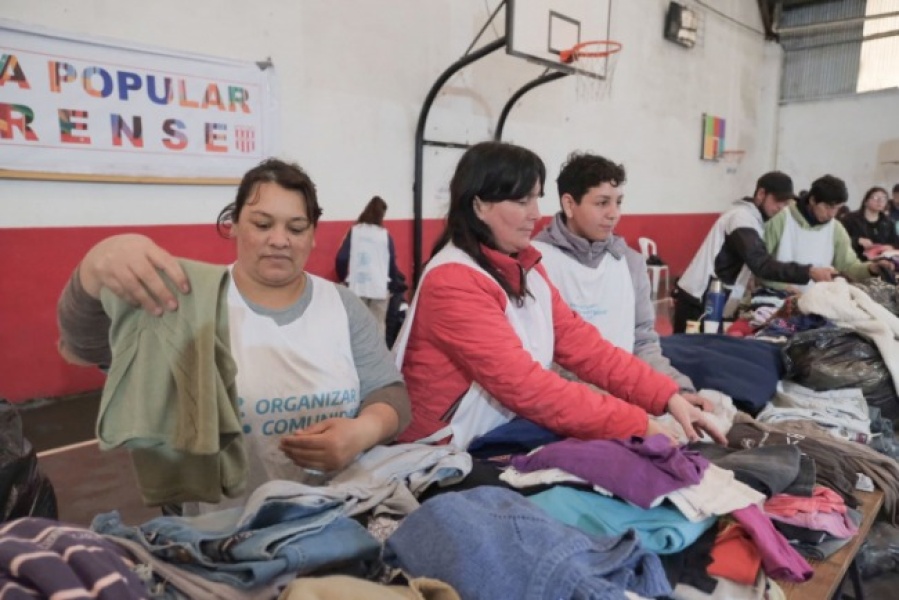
{"x": 88, "y": 481}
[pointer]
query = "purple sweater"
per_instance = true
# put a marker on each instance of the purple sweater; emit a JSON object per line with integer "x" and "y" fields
{"x": 638, "y": 470}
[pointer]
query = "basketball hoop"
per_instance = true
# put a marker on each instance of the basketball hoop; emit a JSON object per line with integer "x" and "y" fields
{"x": 593, "y": 63}
{"x": 591, "y": 49}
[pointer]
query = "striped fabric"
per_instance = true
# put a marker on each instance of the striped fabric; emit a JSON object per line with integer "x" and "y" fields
{"x": 40, "y": 558}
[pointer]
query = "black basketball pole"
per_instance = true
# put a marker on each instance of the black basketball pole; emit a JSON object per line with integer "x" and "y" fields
{"x": 419, "y": 149}
{"x": 545, "y": 78}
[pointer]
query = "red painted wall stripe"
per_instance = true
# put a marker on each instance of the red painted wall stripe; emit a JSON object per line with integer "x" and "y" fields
{"x": 37, "y": 262}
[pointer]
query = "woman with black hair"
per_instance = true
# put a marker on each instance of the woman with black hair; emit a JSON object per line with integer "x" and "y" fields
{"x": 486, "y": 325}
{"x": 869, "y": 227}
{"x": 366, "y": 261}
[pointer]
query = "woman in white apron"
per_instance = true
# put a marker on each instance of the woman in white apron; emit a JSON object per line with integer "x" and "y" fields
{"x": 486, "y": 325}
{"x": 315, "y": 383}
{"x": 366, "y": 260}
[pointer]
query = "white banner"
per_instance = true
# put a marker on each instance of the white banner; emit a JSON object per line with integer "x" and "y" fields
{"x": 88, "y": 107}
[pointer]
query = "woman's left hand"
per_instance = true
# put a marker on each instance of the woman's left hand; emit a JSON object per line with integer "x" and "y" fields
{"x": 691, "y": 418}
{"x": 333, "y": 444}
{"x": 326, "y": 446}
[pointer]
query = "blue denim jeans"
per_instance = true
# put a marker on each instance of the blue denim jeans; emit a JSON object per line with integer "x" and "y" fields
{"x": 300, "y": 535}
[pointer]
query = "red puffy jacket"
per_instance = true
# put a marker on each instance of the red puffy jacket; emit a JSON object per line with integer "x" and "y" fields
{"x": 460, "y": 334}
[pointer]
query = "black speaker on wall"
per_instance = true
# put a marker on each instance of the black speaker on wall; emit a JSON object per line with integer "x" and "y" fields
{"x": 681, "y": 25}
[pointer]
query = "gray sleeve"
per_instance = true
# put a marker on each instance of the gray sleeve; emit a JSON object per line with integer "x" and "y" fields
{"x": 646, "y": 340}
{"x": 83, "y": 326}
{"x": 379, "y": 379}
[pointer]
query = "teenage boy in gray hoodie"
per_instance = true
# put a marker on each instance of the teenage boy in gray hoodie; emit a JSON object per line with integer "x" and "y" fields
{"x": 597, "y": 273}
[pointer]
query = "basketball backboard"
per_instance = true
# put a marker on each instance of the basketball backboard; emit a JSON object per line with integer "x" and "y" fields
{"x": 538, "y": 30}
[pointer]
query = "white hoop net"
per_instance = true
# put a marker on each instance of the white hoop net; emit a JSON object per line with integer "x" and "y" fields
{"x": 594, "y": 74}
{"x": 732, "y": 160}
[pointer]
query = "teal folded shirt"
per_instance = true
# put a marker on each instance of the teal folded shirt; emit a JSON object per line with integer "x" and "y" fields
{"x": 663, "y": 529}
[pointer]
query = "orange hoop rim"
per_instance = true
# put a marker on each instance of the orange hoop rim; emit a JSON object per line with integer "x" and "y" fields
{"x": 608, "y": 47}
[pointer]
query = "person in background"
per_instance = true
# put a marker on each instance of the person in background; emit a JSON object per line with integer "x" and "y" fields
{"x": 366, "y": 260}
{"x": 808, "y": 232}
{"x": 869, "y": 226}
{"x": 292, "y": 334}
{"x": 596, "y": 272}
{"x": 734, "y": 251}
{"x": 486, "y": 326}
{"x": 893, "y": 207}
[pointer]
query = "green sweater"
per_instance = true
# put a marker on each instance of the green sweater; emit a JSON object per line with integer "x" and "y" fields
{"x": 844, "y": 258}
{"x": 170, "y": 395}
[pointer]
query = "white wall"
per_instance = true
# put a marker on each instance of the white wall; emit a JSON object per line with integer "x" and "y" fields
{"x": 353, "y": 74}
{"x": 855, "y": 138}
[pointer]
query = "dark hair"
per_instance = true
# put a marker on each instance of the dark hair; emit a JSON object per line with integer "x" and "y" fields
{"x": 289, "y": 176}
{"x": 829, "y": 190}
{"x": 373, "y": 213}
{"x": 584, "y": 171}
{"x": 491, "y": 172}
{"x": 896, "y": 188}
{"x": 870, "y": 193}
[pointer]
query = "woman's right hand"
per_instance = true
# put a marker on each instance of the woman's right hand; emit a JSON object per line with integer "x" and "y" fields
{"x": 128, "y": 265}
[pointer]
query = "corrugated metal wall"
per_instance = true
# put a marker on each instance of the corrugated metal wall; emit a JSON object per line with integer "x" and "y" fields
{"x": 821, "y": 63}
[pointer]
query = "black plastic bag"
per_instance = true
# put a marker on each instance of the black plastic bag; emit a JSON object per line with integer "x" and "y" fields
{"x": 24, "y": 490}
{"x": 835, "y": 358}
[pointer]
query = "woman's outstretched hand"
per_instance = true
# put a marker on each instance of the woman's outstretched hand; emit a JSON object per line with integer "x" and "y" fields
{"x": 129, "y": 266}
{"x": 693, "y": 420}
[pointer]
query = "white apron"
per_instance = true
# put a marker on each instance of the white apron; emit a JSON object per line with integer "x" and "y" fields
{"x": 603, "y": 296}
{"x": 807, "y": 246}
{"x": 696, "y": 277}
{"x": 369, "y": 268}
{"x": 478, "y": 412}
{"x": 290, "y": 377}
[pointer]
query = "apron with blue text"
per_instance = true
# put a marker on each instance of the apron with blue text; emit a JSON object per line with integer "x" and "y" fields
{"x": 290, "y": 377}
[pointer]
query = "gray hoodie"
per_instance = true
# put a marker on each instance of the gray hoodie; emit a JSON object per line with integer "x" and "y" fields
{"x": 591, "y": 254}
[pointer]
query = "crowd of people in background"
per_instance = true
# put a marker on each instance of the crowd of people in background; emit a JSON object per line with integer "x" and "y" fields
{"x": 777, "y": 239}
{"x": 491, "y": 333}
{"x": 513, "y": 325}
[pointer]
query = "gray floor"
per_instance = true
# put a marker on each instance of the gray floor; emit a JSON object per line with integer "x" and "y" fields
{"x": 88, "y": 481}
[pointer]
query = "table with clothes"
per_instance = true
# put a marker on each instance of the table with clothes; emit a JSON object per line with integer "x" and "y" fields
{"x": 523, "y": 513}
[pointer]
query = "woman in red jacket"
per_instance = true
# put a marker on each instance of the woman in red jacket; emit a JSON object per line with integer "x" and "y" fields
{"x": 486, "y": 326}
